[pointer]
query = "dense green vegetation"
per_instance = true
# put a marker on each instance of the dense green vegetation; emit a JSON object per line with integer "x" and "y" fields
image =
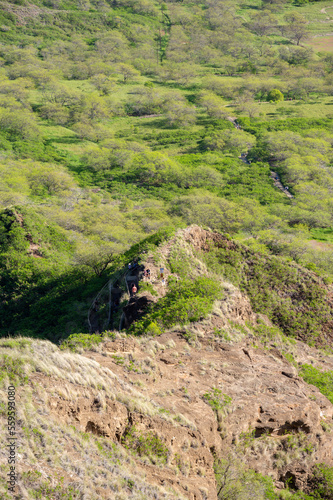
{"x": 113, "y": 124}
{"x": 117, "y": 120}
{"x": 294, "y": 299}
{"x": 186, "y": 301}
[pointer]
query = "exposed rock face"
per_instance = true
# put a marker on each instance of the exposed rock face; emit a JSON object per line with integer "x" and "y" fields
{"x": 270, "y": 406}
{"x": 215, "y": 390}
{"x": 134, "y": 309}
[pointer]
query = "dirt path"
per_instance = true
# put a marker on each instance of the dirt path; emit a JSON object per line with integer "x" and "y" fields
{"x": 277, "y": 183}
{"x": 323, "y": 11}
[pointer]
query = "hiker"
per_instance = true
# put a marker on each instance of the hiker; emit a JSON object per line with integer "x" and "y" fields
{"x": 129, "y": 266}
{"x": 148, "y": 274}
{"x": 134, "y": 289}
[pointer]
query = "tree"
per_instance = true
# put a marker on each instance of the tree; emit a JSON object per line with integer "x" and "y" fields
{"x": 19, "y": 125}
{"x": 95, "y": 256}
{"x": 46, "y": 179}
{"x": 235, "y": 481}
{"x": 113, "y": 46}
{"x": 257, "y": 218}
{"x": 247, "y": 105}
{"x": 146, "y": 101}
{"x": 214, "y": 106}
{"x": 156, "y": 169}
{"x": 275, "y": 95}
{"x": 179, "y": 114}
{"x": 178, "y": 45}
{"x": 296, "y": 55}
{"x": 204, "y": 208}
{"x": 274, "y": 5}
{"x": 296, "y": 28}
{"x": 55, "y": 112}
{"x": 104, "y": 83}
{"x": 220, "y": 15}
{"x": 285, "y": 144}
{"x": 17, "y": 89}
{"x": 96, "y": 158}
{"x": 122, "y": 152}
{"x": 60, "y": 94}
{"x": 128, "y": 72}
{"x": 180, "y": 73}
{"x": 262, "y": 23}
{"x": 93, "y": 132}
{"x": 234, "y": 141}
{"x": 93, "y": 107}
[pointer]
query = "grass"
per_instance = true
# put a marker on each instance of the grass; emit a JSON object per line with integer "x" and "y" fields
{"x": 322, "y": 380}
{"x": 67, "y": 464}
{"x": 78, "y": 370}
{"x": 322, "y": 234}
{"x": 312, "y": 12}
{"x": 313, "y": 108}
{"x": 323, "y": 43}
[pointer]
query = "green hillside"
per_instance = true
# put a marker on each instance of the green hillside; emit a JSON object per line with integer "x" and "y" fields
{"x": 116, "y": 122}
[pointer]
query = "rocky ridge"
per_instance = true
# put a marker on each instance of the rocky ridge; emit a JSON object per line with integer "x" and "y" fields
{"x": 210, "y": 389}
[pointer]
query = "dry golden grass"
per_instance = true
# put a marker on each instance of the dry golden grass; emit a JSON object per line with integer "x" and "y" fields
{"x": 92, "y": 467}
{"x": 49, "y": 450}
{"x": 80, "y": 372}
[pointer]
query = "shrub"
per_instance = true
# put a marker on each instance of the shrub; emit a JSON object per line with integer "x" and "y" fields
{"x": 322, "y": 380}
{"x": 146, "y": 445}
{"x": 275, "y": 95}
{"x": 186, "y": 301}
{"x": 83, "y": 341}
{"x": 322, "y": 482}
{"x": 216, "y": 399}
{"x": 301, "y": 312}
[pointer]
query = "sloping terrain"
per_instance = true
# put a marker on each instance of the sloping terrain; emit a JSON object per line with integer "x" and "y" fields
{"x": 204, "y": 407}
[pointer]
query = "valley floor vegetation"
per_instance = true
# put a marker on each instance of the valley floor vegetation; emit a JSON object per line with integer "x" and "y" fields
{"x": 115, "y": 122}
{"x": 124, "y": 120}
